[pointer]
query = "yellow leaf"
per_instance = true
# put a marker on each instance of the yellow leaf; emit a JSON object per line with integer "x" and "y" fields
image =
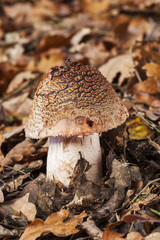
{"x": 53, "y": 224}
{"x": 138, "y": 130}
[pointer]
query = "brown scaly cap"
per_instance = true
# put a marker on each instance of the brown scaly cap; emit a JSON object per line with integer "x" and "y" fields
{"x": 74, "y": 99}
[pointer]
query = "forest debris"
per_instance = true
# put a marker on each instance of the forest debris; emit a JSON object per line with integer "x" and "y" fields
{"x": 92, "y": 230}
{"x": 121, "y": 64}
{"x": 95, "y": 6}
{"x": 123, "y": 176}
{"x": 24, "y": 206}
{"x": 6, "y": 233}
{"x": 32, "y": 188}
{"x": 19, "y": 80}
{"x": 1, "y": 196}
{"x": 45, "y": 61}
{"x": 54, "y": 39}
{"x": 153, "y": 236}
{"x": 19, "y": 152}
{"x": 134, "y": 236}
{"x": 10, "y": 132}
{"x": 108, "y": 234}
{"x": 45, "y": 196}
{"x": 12, "y": 185}
{"x": 76, "y": 39}
{"x": 152, "y": 70}
{"x": 14, "y": 105}
{"x": 154, "y": 144}
{"x": 54, "y": 224}
{"x": 35, "y": 164}
{"x": 146, "y": 91}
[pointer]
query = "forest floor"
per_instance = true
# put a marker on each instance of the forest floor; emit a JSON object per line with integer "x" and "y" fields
{"x": 121, "y": 38}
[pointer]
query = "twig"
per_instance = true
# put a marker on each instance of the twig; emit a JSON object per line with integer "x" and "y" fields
{"x": 151, "y": 125}
{"x": 154, "y": 144}
{"x": 144, "y": 189}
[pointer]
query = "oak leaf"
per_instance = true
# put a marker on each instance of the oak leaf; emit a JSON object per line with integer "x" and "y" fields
{"x": 121, "y": 64}
{"x": 53, "y": 224}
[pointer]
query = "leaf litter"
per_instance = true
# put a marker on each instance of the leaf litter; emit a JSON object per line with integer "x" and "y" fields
{"x": 121, "y": 38}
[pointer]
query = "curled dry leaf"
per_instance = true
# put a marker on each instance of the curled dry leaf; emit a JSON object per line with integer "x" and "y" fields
{"x": 12, "y": 186}
{"x": 1, "y": 196}
{"x": 90, "y": 227}
{"x": 24, "y": 206}
{"x": 44, "y": 62}
{"x": 95, "y": 6}
{"x": 20, "y": 104}
{"x": 4, "y": 232}
{"x": 152, "y": 70}
{"x": 53, "y": 224}
{"x": 19, "y": 80}
{"x": 110, "y": 235}
{"x": 146, "y": 91}
{"x": 54, "y": 40}
{"x": 153, "y": 236}
{"x": 122, "y": 64}
{"x": 134, "y": 236}
{"x": 17, "y": 154}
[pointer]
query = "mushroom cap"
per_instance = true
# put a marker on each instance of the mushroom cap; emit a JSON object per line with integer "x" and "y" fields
{"x": 74, "y": 99}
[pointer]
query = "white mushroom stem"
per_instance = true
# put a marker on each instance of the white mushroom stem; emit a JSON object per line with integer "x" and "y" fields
{"x": 63, "y": 154}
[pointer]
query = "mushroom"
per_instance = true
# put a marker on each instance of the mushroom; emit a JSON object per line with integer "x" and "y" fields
{"x": 72, "y": 105}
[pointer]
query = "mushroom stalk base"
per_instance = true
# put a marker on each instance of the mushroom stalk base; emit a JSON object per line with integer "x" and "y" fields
{"x": 63, "y": 154}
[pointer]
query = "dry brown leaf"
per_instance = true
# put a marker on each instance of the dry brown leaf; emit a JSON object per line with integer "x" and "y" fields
{"x": 19, "y": 80}
{"x": 20, "y": 104}
{"x": 1, "y": 196}
{"x": 152, "y": 70}
{"x": 54, "y": 224}
{"x": 145, "y": 91}
{"x": 18, "y": 153}
{"x": 153, "y": 236}
{"x": 110, "y": 235}
{"x": 55, "y": 40}
{"x": 89, "y": 50}
{"x": 95, "y": 6}
{"x": 24, "y": 206}
{"x": 7, "y": 72}
{"x": 44, "y": 62}
{"x": 76, "y": 39}
{"x": 122, "y": 64}
{"x": 1, "y": 141}
{"x": 134, "y": 236}
{"x": 12, "y": 186}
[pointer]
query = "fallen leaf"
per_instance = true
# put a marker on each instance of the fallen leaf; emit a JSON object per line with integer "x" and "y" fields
{"x": 110, "y": 235}
{"x": 153, "y": 236}
{"x": 146, "y": 91}
{"x": 1, "y": 196}
{"x": 20, "y": 104}
{"x": 138, "y": 130}
{"x": 95, "y": 6}
{"x": 44, "y": 62}
{"x": 152, "y": 70}
{"x": 54, "y": 224}
{"x": 76, "y": 39}
{"x": 122, "y": 64}
{"x": 19, "y": 80}
{"x": 24, "y": 206}
{"x": 18, "y": 153}
{"x": 134, "y": 236}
